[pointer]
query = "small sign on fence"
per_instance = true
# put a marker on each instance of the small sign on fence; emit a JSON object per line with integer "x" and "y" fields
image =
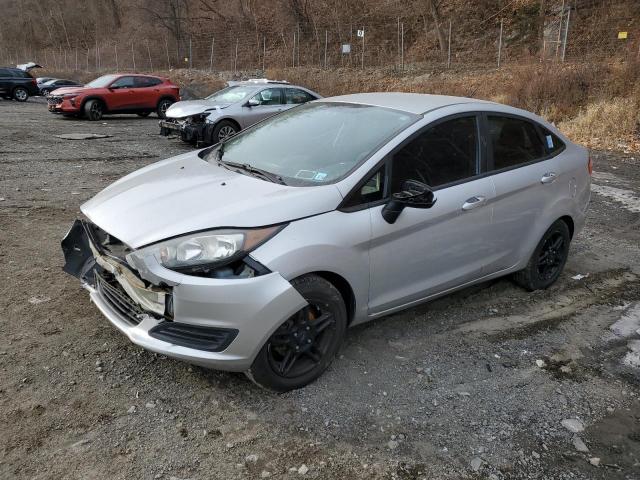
{"x": 360, "y": 33}
{"x": 622, "y": 35}
{"x": 346, "y": 48}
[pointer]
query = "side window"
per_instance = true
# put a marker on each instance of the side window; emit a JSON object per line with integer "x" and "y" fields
{"x": 123, "y": 82}
{"x": 445, "y": 153}
{"x": 514, "y": 142}
{"x": 371, "y": 191}
{"x": 552, "y": 142}
{"x": 4, "y": 72}
{"x": 270, "y": 96}
{"x": 142, "y": 82}
{"x": 297, "y": 96}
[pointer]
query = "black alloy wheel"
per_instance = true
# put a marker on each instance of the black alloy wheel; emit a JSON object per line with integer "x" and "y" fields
{"x": 302, "y": 348}
{"x": 548, "y": 259}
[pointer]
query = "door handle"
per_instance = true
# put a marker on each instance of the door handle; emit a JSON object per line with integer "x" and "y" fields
{"x": 549, "y": 177}
{"x": 474, "y": 202}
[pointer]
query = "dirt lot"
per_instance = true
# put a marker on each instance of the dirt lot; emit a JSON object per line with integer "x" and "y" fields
{"x": 475, "y": 385}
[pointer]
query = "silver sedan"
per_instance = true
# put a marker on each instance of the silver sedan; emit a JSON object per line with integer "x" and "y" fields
{"x": 226, "y": 112}
{"x": 255, "y": 255}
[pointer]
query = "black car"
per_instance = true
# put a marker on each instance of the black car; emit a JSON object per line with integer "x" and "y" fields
{"x": 49, "y": 86}
{"x": 17, "y": 84}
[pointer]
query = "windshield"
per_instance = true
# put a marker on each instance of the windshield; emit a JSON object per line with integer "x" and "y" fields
{"x": 316, "y": 143}
{"x": 101, "y": 82}
{"x": 231, "y": 94}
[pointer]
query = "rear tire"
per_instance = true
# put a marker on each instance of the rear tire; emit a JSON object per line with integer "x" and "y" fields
{"x": 223, "y": 130}
{"x": 93, "y": 110}
{"x": 44, "y": 92}
{"x": 163, "y": 105}
{"x": 302, "y": 348}
{"x": 548, "y": 259}
{"x": 20, "y": 94}
{"x": 143, "y": 114}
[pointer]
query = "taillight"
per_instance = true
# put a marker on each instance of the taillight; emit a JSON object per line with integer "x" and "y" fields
{"x": 590, "y": 165}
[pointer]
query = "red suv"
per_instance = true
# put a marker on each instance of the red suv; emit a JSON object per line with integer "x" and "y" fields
{"x": 121, "y": 93}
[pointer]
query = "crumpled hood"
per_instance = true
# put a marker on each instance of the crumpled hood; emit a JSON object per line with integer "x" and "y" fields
{"x": 185, "y": 194}
{"x": 192, "y": 107}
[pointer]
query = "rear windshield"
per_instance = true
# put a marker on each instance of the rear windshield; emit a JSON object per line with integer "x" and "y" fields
{"x": 231, "y": 94}
{"x": 316, "y": 143}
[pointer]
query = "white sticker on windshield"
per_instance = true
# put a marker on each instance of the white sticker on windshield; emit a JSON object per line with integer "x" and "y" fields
{"x": 549, "y": 141}
{"x": 320, "y": 176}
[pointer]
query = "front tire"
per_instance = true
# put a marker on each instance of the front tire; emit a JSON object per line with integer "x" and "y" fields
{"x": 93, "y": 110}
{"x": 20, "y": 94}
{"x": 548, "y": 259}
{"x": 302, "y": 348}
{"x": 223, "y": 130}
{"x": 44, "y": 92}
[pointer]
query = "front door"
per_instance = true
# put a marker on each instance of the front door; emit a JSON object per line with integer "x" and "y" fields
{"x": 122, "y": 95}
{"x": 270, "y": 102}
{"x": 427, "y": 251}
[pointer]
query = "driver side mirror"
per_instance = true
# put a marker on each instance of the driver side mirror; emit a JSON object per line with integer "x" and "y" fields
{"x": 414, "y": 194}
{"x": 253, "y": 102}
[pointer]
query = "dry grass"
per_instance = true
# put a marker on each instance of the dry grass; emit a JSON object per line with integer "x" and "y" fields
{"x": 606, "y": 124}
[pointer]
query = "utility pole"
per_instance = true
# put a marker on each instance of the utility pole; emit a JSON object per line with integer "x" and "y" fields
{"x": 566, "y": 33}
{"x": 298, "y": 59}
{"x": 166, "y": 48}
{"x": 402, "y": 46}
{"x": 211, "y": 56}
{"x": 362, "y": 61}
{"x": 449, "y": 49}
{"x": 326, "y": 41}
{"x": 149, "y": 53}
{"x": 293, "y": 61}
{"x": 500, "y": 43}
{"x": 398, "y": 35}
{"x": 560, "y": 29}
{"x": 133, "y": 57}
{"x": 115, "y": 49}
{"x": 235, "y": 61}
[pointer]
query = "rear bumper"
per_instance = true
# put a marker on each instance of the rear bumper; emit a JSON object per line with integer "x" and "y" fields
{"x": 250, "y": 308}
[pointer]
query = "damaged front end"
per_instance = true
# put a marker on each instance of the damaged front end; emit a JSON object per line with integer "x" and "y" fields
{"x": 98, "y": 260}
{"x": 194, "y": 129}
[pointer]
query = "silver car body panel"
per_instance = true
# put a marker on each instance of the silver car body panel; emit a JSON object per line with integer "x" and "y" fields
{"x": 425, "y": 254}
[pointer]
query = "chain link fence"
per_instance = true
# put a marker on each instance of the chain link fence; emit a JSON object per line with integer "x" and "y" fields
{"x": 413, "y": 42}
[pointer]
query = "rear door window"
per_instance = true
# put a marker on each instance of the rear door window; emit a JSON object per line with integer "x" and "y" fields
{"x": 514, "y": 142}
{"x": 552, "y": 142}
{"x": 142, "y": 82}
{"x": 297, "y": 96}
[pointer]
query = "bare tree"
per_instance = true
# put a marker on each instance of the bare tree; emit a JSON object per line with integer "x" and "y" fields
{"x": 433, "y": 5}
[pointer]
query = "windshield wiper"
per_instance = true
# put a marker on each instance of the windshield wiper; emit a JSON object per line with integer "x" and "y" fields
{"x": 257, "y": 172}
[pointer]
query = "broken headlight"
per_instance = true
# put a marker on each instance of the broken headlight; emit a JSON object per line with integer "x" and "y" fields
{"x": 205, "y": 249}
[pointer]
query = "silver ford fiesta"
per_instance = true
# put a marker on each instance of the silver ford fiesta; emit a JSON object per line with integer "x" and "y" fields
{"x": 256, "y": 254}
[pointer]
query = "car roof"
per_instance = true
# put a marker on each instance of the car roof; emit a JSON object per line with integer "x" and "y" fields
{"x": 417, "y": 103}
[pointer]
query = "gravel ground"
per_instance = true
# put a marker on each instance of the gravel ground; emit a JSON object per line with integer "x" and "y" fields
{"x": 474, "y": 385}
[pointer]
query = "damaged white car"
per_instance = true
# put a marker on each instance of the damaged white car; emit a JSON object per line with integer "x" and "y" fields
{"x": 234, "y": 108}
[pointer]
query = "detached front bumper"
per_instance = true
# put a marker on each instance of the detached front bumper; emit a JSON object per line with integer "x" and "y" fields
{"x": 236, "y": 316}
{"x": 198, "y": 133}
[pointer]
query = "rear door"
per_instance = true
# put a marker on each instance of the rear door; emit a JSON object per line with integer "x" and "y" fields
{"x": 147, "y": 92}
{"x": 271, "y": 103}
{"x": 526, "y": 177}
{"x": 427, "y": 251}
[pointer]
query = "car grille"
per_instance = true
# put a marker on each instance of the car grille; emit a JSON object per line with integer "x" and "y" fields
{"x": 51, "y": 100}
{"x": 117, "y": 298}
